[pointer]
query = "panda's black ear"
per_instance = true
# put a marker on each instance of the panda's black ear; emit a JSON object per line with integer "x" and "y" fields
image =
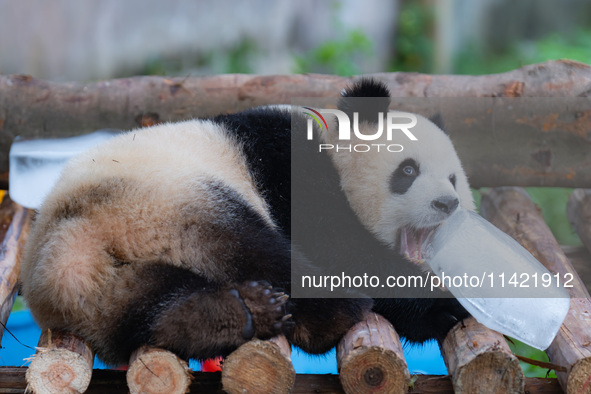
{"x": 438, "y": 121}
{"x": 367, "y": 87}
{"x": 367, "y": 97}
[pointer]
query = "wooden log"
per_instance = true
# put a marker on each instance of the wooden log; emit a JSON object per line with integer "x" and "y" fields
{"x": 479, "y": 360}
{"x": 6, "y": 214}
{"x": 497, "y": 138}
{"x": 153, "y": 370}
{"x": 578, "y": 211}
{"x": 512, "y": 211}
{"x": 580, "y": 258}
{"x": 8, "y": 286}
{"x": 259, "y": 367}
{"x": 62, "y": 364}
{"x": 105, "y": 381}
{"x": 311, "y": 383}
{"x": 370, "y": 358}
{"x": 14, "y": 237}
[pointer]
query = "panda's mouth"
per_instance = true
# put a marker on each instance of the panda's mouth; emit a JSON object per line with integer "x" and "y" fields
{"x": 414, "y": 242}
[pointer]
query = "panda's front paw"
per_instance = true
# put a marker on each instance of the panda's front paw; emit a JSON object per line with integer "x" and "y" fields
{"x": 265, "y": 307}
{"x": 450, "y": 313}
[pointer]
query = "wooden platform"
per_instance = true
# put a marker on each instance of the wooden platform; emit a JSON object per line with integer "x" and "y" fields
{"x": 12, "y": 380}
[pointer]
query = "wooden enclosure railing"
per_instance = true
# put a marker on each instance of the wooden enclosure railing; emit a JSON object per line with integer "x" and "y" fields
{"x": 554, "y": 149}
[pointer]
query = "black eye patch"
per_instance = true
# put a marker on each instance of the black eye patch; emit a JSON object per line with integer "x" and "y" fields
{"x": 404, "y": 176}
{"x": 452, "y": 179}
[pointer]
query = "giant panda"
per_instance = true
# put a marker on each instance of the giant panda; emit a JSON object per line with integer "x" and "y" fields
{"x": 376, "y": 209}
{"x": 179, "y": 235}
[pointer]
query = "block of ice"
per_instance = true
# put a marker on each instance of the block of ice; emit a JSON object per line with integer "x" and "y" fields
{"x": 497, "y": 280}
{"x": 35, "y": 165}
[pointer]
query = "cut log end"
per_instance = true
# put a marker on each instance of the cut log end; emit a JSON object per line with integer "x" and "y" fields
{"x": 153, "y": 370}
{"x": 58, "y": 370}
{"x": 490, "y": 372}
{"x": 374, "y": 369}
{"x": 63, "y": 363}
{"x": 370, "y": 358}
{"x": 579, "y": 378}
{"x": 480, "y": 360}
{"x": 259, "y": 367}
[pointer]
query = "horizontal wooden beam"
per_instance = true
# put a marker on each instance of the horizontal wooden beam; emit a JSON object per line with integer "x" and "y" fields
{"x": 501, "y": 140}
{"x": 12, "y": 380}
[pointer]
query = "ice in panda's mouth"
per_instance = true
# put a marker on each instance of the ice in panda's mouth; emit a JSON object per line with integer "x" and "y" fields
{"x": 414, "y": 243}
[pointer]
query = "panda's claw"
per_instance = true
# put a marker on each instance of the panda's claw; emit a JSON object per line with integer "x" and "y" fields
{"x": 267, "y": 307}
{"x": 283, "y": 299}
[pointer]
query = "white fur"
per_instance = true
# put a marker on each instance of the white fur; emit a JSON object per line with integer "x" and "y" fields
{"x": 175, "y": 152}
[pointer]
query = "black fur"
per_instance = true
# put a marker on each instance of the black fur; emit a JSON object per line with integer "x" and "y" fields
{"x": 264, "y": 136}
{"x": 367, "y": 97}
{"x": 404, "y": 176}
{"x": 166, "y": 288}
{"x": 437, "y": 119}
{"x": 421, "y": 319}
{"x": 368, "y": 87}
{"x": 452, "y": 179}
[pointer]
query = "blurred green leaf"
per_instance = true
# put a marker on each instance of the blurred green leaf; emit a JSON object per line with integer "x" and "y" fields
{"x": 414, "y": 42}
{"x": 529, "y": 370}
{"x": 553, "y": 201}
{"x": 575, "y": 46}
{"x": 337, "y": 57}
{"x": 19, "y": 304}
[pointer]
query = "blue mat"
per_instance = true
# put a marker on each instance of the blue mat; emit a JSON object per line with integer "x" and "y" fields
{"x": 421, "y": 359}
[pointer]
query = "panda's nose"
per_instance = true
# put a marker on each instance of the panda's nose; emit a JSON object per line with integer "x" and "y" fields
{"x": 446, "y": 204}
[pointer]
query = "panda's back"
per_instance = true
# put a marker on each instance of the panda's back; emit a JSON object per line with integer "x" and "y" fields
{"x": 167, "y": 194}
{"x": 167, "y": 160}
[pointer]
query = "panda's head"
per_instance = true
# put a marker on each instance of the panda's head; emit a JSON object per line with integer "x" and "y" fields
{"x": 400, "y": 196}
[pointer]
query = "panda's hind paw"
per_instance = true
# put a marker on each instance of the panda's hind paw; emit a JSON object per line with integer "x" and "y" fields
{"x": 266, "y": 306}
